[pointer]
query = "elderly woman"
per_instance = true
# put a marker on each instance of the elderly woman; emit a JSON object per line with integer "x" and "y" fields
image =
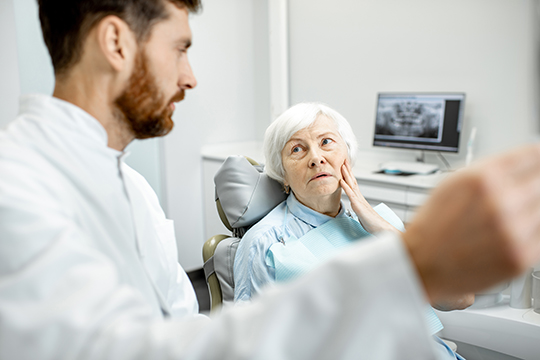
{"x": 310, "y": 149}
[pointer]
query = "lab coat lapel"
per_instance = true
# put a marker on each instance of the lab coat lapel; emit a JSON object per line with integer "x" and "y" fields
{"x": 148, "y": 244}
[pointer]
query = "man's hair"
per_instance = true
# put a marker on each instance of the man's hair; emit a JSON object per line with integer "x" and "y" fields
{"x": 66, "y": 23}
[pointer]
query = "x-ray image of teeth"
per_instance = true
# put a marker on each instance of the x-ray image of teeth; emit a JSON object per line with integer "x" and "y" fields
{"x": 417, "y": 119}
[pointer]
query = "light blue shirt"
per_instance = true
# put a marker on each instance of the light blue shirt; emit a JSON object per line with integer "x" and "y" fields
{"x": 251, "y": 273}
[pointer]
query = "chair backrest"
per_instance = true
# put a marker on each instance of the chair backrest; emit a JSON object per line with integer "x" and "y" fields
{"x": 244, "y": 195}
{"x": 218, "y": 256}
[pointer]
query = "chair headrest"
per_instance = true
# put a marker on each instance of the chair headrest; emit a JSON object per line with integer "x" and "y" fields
{"x": 244, "y": 192}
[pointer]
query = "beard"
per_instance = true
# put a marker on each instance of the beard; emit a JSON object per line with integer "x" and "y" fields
{"x": 142, "y": 106}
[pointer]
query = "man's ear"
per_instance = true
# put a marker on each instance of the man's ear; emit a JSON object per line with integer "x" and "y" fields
{"x": 117, "y": 42}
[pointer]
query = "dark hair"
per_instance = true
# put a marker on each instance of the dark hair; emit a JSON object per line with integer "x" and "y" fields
{"x": 66, "y": 23}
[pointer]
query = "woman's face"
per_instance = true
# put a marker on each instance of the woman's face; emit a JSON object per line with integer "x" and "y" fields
{"x": 312, "y": 159}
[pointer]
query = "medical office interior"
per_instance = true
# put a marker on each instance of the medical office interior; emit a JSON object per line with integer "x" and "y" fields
{"x": 254, "y": 58}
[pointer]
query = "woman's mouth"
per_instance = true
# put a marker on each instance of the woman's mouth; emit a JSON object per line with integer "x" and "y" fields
{"x": 320, "y": 176}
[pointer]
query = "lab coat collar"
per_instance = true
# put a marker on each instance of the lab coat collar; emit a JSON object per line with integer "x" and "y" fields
{"x": 69, "y": 116}
{"x": 307, "y": 215}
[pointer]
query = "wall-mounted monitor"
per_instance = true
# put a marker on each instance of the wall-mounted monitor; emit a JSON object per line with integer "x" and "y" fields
{"x": 419, "y": 121}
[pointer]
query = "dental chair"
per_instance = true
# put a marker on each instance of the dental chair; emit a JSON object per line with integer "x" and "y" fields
{"x": 244, "y": 195}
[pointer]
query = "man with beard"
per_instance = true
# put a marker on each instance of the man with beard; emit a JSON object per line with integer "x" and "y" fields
{"x": 88, "y": 265}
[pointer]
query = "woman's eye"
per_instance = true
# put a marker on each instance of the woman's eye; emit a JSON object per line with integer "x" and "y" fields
{"x": 327, "y": 141}
{"x": 296, "y": 149}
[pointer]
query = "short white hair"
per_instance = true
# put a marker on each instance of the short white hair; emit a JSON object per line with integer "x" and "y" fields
{"x": 294, "y": 119}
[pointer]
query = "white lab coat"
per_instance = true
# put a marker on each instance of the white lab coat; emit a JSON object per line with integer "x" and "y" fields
{"x": 88, "y": 268}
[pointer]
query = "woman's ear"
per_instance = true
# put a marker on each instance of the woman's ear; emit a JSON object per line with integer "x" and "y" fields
{"x": 117, "y": 42}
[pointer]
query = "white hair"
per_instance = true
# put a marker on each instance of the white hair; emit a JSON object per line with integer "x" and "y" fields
{"x": 294, "y": 119}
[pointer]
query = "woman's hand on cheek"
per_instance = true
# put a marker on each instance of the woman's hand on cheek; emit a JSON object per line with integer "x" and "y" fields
{"x": 368, "y": 217}
{"x": 350, "y": 186}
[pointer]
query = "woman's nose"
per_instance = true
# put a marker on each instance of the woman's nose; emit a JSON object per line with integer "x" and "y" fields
{"x": 316, "y": 159}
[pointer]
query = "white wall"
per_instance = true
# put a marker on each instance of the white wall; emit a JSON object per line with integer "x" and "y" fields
{"x": 9, "y": 79}
{"x": 36, "y": 73}
{"x": 230, "y": 103}
{"x": 344, "y": 52}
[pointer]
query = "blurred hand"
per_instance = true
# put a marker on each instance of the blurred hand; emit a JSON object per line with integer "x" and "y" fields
{"x": 479, "y": 227}
{"x": 370, "y": 220}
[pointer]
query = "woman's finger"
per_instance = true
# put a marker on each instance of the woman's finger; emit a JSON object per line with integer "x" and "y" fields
{"x": 346, "y": 170}
{"x": 350, "y": 193}
{"x": 351, "y": 174}
{"x": 345, "y": 173}
{"x": 348, "y": 177}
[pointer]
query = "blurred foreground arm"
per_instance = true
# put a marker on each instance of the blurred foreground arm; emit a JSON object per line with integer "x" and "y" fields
{"x": 481, "y": 226}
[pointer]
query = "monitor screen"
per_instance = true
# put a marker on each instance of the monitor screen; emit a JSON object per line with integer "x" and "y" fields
{"x": 419, "y": 121}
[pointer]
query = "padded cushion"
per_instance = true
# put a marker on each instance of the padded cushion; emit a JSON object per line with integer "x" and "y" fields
{"x": 246, "y": 193}
{"x": 224, "y": 265}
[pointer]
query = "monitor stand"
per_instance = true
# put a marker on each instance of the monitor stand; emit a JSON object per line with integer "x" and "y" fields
{"x": 409, "y": 168}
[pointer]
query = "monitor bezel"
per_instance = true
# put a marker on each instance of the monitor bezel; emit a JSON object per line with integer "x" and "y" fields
{"x": 423, "y": 93}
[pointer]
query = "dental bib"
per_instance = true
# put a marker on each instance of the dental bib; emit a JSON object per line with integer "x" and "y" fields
{"x": 291, "y": 257}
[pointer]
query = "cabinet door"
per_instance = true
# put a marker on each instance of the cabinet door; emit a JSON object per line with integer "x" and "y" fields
{"x": 416, "y": 196}
{"x": 387, "y": 193}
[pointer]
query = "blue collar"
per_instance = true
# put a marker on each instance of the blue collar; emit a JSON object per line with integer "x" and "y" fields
{"x": 307, "y": 215}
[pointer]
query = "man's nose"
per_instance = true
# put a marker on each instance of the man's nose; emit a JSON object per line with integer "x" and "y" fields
{"x": 187, "y": 78}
